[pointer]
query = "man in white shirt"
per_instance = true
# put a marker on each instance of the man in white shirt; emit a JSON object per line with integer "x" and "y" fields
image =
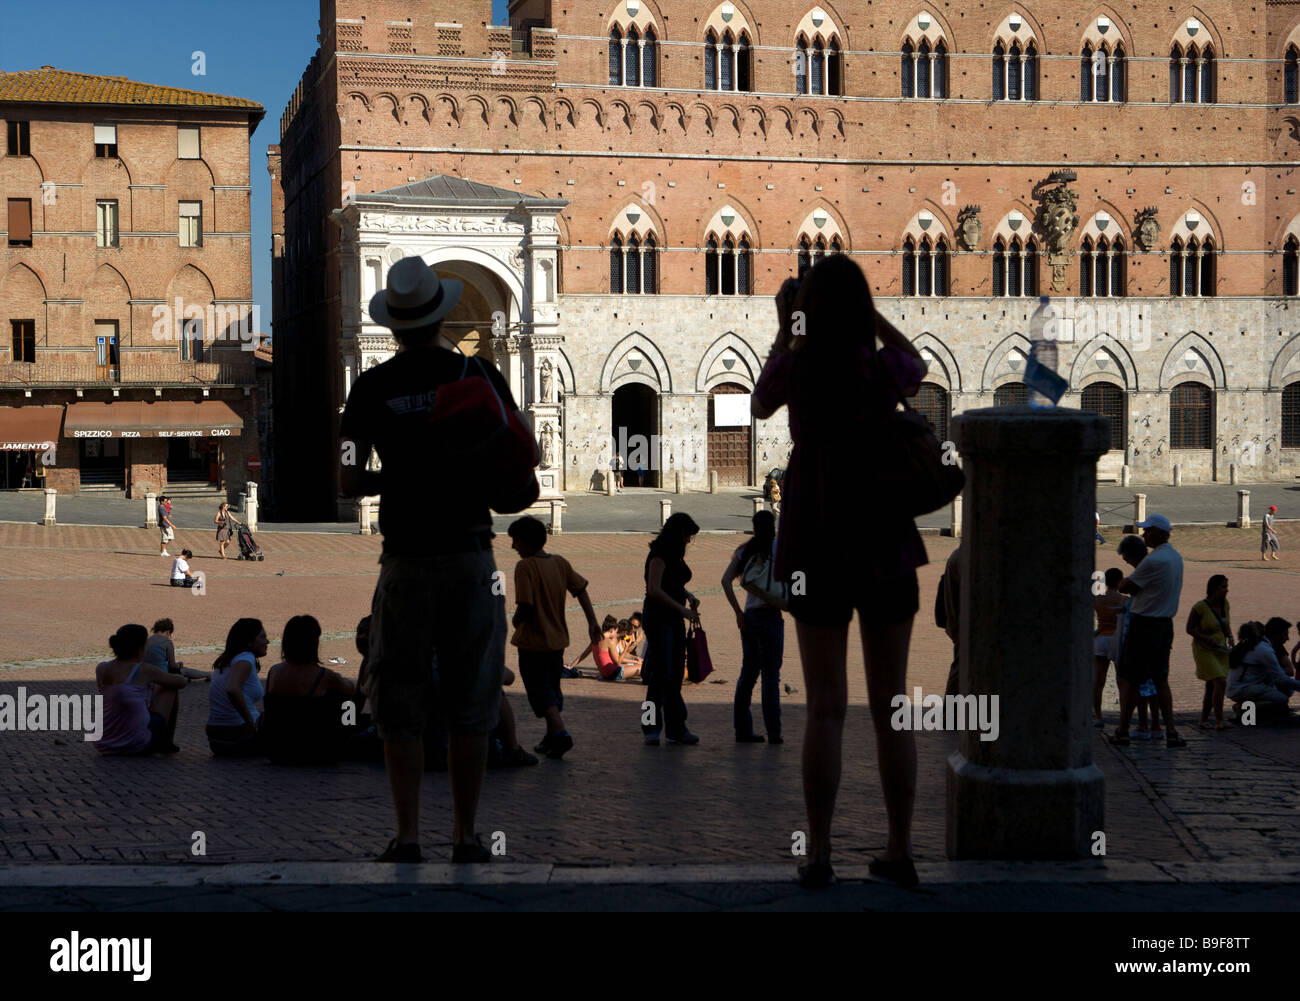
{"x": 1156, "y": 585}
{"x": 181, "y": 570}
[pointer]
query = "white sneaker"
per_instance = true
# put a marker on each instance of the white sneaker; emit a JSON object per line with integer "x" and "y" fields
{"x": 164, "y": 553}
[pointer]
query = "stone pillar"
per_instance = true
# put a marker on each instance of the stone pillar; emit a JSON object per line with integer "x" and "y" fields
{"x": 609, "y": 483}
{"x": 50, "y": 494}
{"x": 1232, "y": 473}
{"x": 150, "y": 510}
{"x": 243, "y": 503}
{"x": 713, "y": 481}
{"x": 1243, "y": 509}
{"x": 1178, "y": 474}
{"x": 665, "y": 511}
{"x": 1124, "y": 474}
{"x": 364, "y": 527}
{"x": 557, "y": 517}
{"x": 250, "y": 506}
{"x": 1033, "y": 792}
{"x": 677, "y": 482}
{"x": 954, "y": 522}
{"x": 1139, "y": 509}
{"x": 758, "y": 504}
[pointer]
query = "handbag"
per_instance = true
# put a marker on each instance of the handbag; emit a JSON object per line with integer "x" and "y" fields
{"x": 757, "y": 580}
{"x": 909, "y": 473}
{"x": 698, "y": 663}
{"x": 486, "y": 442}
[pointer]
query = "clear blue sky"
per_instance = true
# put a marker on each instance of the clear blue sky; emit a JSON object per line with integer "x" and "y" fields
{"x": 256, "y": 50}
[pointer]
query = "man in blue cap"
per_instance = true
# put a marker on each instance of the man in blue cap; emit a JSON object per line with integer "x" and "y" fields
{"x": 1156, "y": 585}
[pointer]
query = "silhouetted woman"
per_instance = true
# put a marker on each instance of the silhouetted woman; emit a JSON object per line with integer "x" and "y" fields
{"x": 762, "y": 634}
{"x": 668, "y": 607}
{"x": 233, "y": 711}
{"x": 840, "y": 390}
{"x": 137, "y": 718}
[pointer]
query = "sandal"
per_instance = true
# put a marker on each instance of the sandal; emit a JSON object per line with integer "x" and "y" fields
{"x": 1175, "y": 741}
{"x": 816, "y": 876}
{"x": 1116, "y": 740}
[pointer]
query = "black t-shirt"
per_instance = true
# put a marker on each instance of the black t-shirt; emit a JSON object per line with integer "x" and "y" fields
{"x": 676, "y": 573}
{"x": 421, "y": 503}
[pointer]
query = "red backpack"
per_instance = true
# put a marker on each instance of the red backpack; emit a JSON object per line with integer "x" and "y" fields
{"x": 487, "y": 443}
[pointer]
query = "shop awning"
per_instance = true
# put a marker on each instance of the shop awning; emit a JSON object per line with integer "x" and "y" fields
{"x": 25, "y": 429}
{"x": 164, "y": 419}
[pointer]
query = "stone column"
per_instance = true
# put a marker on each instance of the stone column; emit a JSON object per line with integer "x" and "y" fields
{"x": 677, "y": 482}
{"x": 713, "y": 481}
{"x": 1178, "y": 474}
{"x": 150, "y": 510}
{"x": 758, "y": 504}
{"x": 364, "y": 526}
{"x": 954, "y": 523}
{"x": 50, "y": 494}
{"x": 250, "y": 506}
{"x": 609, "y": 483}
{"x": 665, "y": 511}
{"x": 1139, "y": 509}
{"x": 1124, "y": 474}
{"x": 1232, "y": 473}
{"x": 1033, "y": 792}
{"x": 557, "y": 516}
{"x": 1243, "y": 509}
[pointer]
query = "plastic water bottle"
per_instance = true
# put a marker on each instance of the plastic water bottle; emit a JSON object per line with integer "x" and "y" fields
{"x": 1042, "y": 348}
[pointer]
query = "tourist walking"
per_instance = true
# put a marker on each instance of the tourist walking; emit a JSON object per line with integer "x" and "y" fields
{"x": 139, "y": 715}
{"x": 616, "y": 467}
{"x": 226, "y": 524}
{"x": 1210, "y": 627}
{"x": 762, "y": 631}
{"x": 166, "y": 530}
{"x": 1155, "y": 584}
{"x": 542, "y": 582}
{"x": 668, "y": 607}
{"x": 841, "y": 390}
{"x": 235, "y": 697}
{"x": 436, "y": 606}
{"x": 1268, "y": 546}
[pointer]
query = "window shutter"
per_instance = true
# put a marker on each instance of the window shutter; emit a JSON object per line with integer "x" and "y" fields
{"x": 187, "y": 141}
{"x": 20, "y": 220}
{"x": 105, "y": 135}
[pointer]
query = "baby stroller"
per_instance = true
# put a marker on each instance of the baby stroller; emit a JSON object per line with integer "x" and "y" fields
{"x": 248, "y": 548}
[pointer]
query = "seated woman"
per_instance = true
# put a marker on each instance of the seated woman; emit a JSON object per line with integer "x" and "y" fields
{"x": 136, "y": 721}
{"x": 627, "y": 647}
{"x": 233, "y": 713}
{"x": 160, "y": 651}
{"x": 607, "y": 656}
{"x": 304, "y": 719}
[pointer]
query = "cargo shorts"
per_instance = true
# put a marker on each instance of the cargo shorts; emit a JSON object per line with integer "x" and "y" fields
{"x": 437, "y": 644}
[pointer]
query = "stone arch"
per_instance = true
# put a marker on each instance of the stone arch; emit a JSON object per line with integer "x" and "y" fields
{"x": 837, "y": 226}
{"x": 1084, "y": 370}
{"x": 1173, "y": 369}
{"x": 701, "y": 112}
{"x": 675, "y": 112}
{"x": 472, "y": 255}
{"x": 728, "y": 341}
{"x": 650, "y": 221}
{"x": 745, "y": 23}
{"x": 505, "y": 112}
{"x": 661, "y": 381}
{"x": 1117, "y": 34}
{"x": 419, "y": 105}
{"x": 446, "y": 109}
{"x": 1031, "y": 30}
{"x": 20, "y": 285}
{"x": 754, "y": 115}
{"x": 834, "y": 28}
{"x": 565, "y": 371}
{"x": 192, "y": 279}
{"x": 1179, "y": 228}
{"x": 1118, "y": 226}
{"x": 808, "y": 118}
{"x": 944, "y": 358}
{"x": 1181, "y": 37}
{"x": 947, "y": 227}
{"x": 393, "y": 108}
{"x": 354, "y": 96}
{"x": 731, "y": 114}
{"x": 106, "y": 274}
{"x": 1286, "y": 364}
{"x": 1284, "y": 229}
{"x": 649, "y": 16}
{"x": 563, "y": 113}
{"x": 1003, "y": 228}
{"x": 646, "y": 111}
{"x": 620, "y": 111}
{"x": 533, "y": 114}
{"x": 593, "y": 110}
{"x": 996, "y": 372}
{"x": 95, "y": 165}
{"x": 940, "y": 30}
{"x": 743, "y": 223}
{"x": 475, "y": 108}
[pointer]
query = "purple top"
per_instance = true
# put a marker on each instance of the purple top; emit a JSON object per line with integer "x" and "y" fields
{"x": 126, "y": 715}
{"x": 833, "y": 408}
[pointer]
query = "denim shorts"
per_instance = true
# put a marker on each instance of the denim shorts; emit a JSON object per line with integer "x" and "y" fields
{"x": 436, "y": 613}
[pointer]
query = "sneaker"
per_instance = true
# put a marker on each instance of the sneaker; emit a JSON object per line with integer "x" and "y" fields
{"x": 543, "y": 746}
{"x": 685, "y": 737}
{"x": 471, "y": 851}
{"x": 652, "y": 738}
{"x": 164, "y": 553}
{"x": 401, "y": 853}
{"x": 560, "y": 743}
{"x": 517, "y": 758}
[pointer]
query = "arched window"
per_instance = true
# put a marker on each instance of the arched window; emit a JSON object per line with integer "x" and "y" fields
{"x": 1291, "y": 416}
{"x": 711, "y": 267}
{"x": 1015, "y": 268}
{"x": 940, "y": 70}
{"x": 1191, "y": 75}
{"x": 649, "y": 72}
{"x": 744, "y": 268}
{"x": 616, "y": 265}
{"x": 1206, "y": 93}
{"x": 1029, "y": 86}
{"x": 744, "y": 68}
{"x": 1015, "y": 62}
{"x": 805, "y": 256}
{"x": 1087, "y": 77}
{"x": 1101, "y": 268}
{"x": 710, "y": 61}
{"x": 727, "y": 59}
{"x": 941, "y": 266}
{"x": 819, "y": 250}
{"x": 1291, "y": 76}
{"x": 1175, "y": 75}
{"x": 923, "y": 69}
{"x": 1112, "y": 403}
{"x": 999, "y": 73}
{"x": 818, "y": 79}
{"x": 1291, "y": 267}
{"x": 1190, "y": 416}
{"x": 908, "y": 70}
{"x": 650, "y": 266}
{"x": 1085, "y": 267}
{"x": 932, "y": 402}
{"x": 836, "y": 246}
{"x": 801, "y": 66}
{"x": 632, "y": 60}
{"x": 925, "y": 267}
{"x": 834, "y": 68}
{"x": 1191, "y": 268}
{"x": 1117, "y": 74}
{"x": 1013, "y": 394}
{"x": 728, "y": 266}
{"x": 633, "y": 282}
{"x": 909, "y": 267}
{"x": 615, "y": 57}
{"x": 999, "y": 268}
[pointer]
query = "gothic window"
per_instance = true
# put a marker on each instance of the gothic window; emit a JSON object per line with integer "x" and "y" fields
{"x": 805, "y": 256}
{"x": 616, "y": 266}
{"x": 1015, "y": 268}
{"x": 817, "y": 84}
{"x": 650, "y": 266}
{"x": 834, "y": 68}
{"x": 1291, "y": 267}
{"x": 1191, "y": 268}
{"x": 632, "y": 60}
{"x": 1013, "y": 394}
{"x": 711, "y": 267}
{"x": 727, "y": 60}
{"x": 633, "y": 266}
{"x": 933, "y": 403}
{"x": 744, "y": 74}
{"x": 648, "y": 52}
{"x": 1292, "y": 76}
{"x": 710, "y": 61}
{"x": 1190, "y": 415}
{"x": 801, "y": 66}
{"x": 1291, "y": 416}
{"x": 615, "y": 57}
{"x": 1112, "y": 403}
{"x": 1191, "y": 75}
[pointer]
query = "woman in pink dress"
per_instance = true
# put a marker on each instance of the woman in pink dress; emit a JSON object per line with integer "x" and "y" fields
{"x": 840, "y": 391}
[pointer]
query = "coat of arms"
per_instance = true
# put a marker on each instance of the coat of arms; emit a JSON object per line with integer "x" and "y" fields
{"x": 969, "y": 227}
{"x": 1148, "y": 230}
{"x": 1057, "y": 217}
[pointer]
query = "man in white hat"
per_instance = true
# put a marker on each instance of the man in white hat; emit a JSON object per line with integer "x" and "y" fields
{"x": 1156, "y": 584}
{"x": 434, "y": 606}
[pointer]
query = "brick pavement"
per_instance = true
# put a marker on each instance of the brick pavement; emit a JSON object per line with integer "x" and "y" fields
{"x": 612, "y": 801}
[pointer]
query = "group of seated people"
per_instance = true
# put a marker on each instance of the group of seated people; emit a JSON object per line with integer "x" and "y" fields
{"x": 1262, "y": 671}
{"x": 305, "y": 713}
{"x": 620, "y": 653}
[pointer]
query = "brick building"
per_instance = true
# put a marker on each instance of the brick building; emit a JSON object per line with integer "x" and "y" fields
{"x": 1134, "y": 162}
{"x": 125, "y": 285}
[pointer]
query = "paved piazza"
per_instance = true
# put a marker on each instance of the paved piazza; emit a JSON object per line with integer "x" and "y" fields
{"x": 612, "y": 801}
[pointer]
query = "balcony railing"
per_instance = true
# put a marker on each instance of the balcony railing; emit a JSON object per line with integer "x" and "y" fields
{"x": 236, "y": 371}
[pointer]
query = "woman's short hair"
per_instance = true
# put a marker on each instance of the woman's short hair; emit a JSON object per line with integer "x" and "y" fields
{"x": 164, "y": 626}
{"x": 301, "y": 641}
{"x": 128, "y": 641}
